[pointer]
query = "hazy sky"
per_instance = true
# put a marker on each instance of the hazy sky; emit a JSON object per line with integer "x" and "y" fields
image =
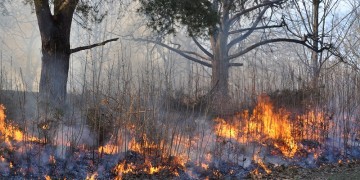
{"x": 20, "y": 44}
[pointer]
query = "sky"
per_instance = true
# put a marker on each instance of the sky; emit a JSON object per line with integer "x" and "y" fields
{"x": 20, "y": 44}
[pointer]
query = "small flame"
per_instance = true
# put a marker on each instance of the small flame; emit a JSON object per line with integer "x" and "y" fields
{"x": 47, "y": 177}
{"x": 108, "y": 149}
{"x": 154, "y": 170}
{"x": 204, "y": 166}
{"x": 123, "y": 168}
{"x": 258, "y": 160}
{"x": 2, "y": 159}
{"x": 92, "y": 176}
{"x": 18, "y": 135}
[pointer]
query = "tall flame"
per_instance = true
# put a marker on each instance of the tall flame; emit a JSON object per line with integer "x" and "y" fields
{"x": 266, "y": 123}
{"x": 10, "y": 132}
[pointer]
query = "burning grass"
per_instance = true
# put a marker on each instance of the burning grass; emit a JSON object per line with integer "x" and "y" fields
{"x": 273, "y": 128}
{"x": 252, "y": 143}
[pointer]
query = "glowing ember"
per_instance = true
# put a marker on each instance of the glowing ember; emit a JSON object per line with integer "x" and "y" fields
{"x": 92, "y": 176}
{"x": 52, "y": 159}
{"x": 205, "y": 166}
{"x": 2, "y": 159}
{"x": 47, "y": 177}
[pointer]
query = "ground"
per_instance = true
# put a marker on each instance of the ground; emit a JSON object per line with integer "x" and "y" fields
{"x": 341, "y": 171}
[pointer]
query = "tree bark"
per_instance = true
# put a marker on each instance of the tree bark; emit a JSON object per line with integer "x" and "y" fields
{"x": 219, "y": 99}
{"x": 314, "y": 54}
{"x": 53, "y": 82}
{"x": 220, "y": 69}
{"x": 55, "y": 38}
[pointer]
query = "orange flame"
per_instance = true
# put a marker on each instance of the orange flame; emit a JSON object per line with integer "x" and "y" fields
{"x": 258, "y": 160}
{"x": 10, "y": 132}
{"x": 92, "y": 176}
{"x": 109, "y": 149}
{"x": 154, "y": 170}
{"x": 47, "y": 177}
{"x": 266, "y": 123}
{"x": 123, "y": 168}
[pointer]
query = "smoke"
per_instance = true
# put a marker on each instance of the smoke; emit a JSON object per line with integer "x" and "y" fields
{"x": 69, "y": 136}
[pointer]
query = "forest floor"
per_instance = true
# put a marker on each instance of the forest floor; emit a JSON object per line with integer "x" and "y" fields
{"x": 342, "y": 171}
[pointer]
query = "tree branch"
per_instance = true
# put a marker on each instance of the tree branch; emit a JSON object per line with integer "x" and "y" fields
{"x": 235, "y": 64}
{"x": 251, "y": 30}
{"x": 266, "y": 3}
{"x": 302, "y": 42}
{"x": 180, "y": 52}
{"x": 44, "y": 17}
{"x": 256, "y": 28}
{"x": 202, "y": 48}
{"x": 68, "y": 7}
{"x": 91, "y": 46}
{"x": 196, "y": 54}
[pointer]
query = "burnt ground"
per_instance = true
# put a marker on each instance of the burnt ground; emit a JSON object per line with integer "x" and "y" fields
{"x": 348, "y": 170}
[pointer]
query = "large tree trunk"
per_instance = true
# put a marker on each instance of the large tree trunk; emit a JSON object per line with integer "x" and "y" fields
{"x": 53, "y": 80}
{"x": 314, "y": 55}
{"x": 55, "y": 68}
{"x": 220, "y": 69}
{"x": 55, "y": 38}
{"x": 219, "y": 100}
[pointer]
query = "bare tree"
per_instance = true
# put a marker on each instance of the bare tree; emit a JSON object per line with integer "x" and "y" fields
{"x": 226, "y": 39}
{"x": 321, "y": 22}
{"x": 55, "y": 27}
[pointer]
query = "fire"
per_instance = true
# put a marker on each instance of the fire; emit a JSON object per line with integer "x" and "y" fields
{"x": 274, "y": 125}
{"x": 149, "y": 150}
{"x": 108, "y": 149}
{"x": 10, "y": 132}
{"x": 264, "y": 123}
{"x": 18, "y": 135}
{"x": 2, "y": 118}
{"x": 258, "y": 160}
{"x": 92, "y": 176}
{"x": 144, "y": 145}
{"x": 313, "y": 126}
{"x": 276, "y": 128}
{"x": 2, "y": 159}
{"x": 226, "y": 130}
{"x": 204, "y": 166}
{"x": 154, "y": 170}
{"x": 47, "y": 177}
{"x": 123, "y": 168}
